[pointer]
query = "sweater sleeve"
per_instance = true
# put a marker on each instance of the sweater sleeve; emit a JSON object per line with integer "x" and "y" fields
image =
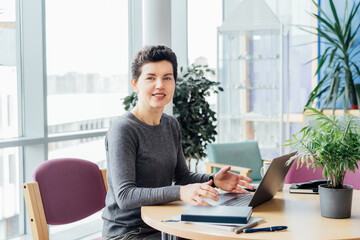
{"x": 122, "y": 146}
{"x": 182, "y": 175}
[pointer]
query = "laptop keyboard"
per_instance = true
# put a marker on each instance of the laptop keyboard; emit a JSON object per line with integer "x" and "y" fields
{"x": 239, "y": 200}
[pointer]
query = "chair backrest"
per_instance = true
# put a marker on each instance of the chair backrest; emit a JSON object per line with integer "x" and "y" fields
{"x": 302, "y": 174}
{"x": 353, "y": 179}
{"x": 243, "y": 154}
{"x": 65, "y": 190}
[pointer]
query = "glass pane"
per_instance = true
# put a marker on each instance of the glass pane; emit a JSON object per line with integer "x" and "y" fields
{"x": 8, "y": 75}
{"x": 202, "y": 31}
{"x": 92, "y": 149}
{"x": 202, "y": 36}
{"x": 9, "y": 193}
{"x": 87, "y": 63}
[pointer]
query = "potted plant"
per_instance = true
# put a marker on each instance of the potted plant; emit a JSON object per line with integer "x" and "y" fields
{"x": 192, "y": 110}
{"x": 337, "y": 62}
{"x": 332, "y": 144}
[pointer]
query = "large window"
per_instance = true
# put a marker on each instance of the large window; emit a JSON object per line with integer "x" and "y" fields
{"x": 91, "y": 149}
{"x": 87, "y": 63}
{"x": 8, "y": 74}
{"x": 203, "y": 19}
{"x": 9, "y": 193}
{"x": 63, "y": 72}
{"x": 9, "y": 157}
{"x": 87, "y": 76}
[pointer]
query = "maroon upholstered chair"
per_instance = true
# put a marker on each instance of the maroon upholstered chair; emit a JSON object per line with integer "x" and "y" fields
{"x": 65, "y": 190}
{"x": 353, "y": 179}
{"x": 302, "y": 174}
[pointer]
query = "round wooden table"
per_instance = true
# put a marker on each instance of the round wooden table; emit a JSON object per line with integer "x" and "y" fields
{"x": 300, "y": 212}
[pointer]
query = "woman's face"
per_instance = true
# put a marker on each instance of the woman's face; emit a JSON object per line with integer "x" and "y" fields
{"x": 156, "y": 84}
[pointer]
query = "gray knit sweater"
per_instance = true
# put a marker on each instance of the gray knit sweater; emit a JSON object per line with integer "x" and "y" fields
{"x": 143, "y": 161}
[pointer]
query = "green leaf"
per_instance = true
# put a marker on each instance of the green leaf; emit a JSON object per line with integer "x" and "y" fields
{"x": 321, "y": 11}
{"x": 336, "y": 62}
{"x": 324, "y": 21}
{"x": 333, "y": 9}
{"x": 332, "y": 40}
{"x": 322, "y": 61}
{"x": 333, "y": 144}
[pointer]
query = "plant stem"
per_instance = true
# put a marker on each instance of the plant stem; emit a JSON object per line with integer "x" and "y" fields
{"x": 196, "y": 165}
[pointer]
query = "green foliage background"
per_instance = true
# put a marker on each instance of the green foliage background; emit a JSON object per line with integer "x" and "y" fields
{"x": 332, "y": 144}
{"x": 337, "y": 64}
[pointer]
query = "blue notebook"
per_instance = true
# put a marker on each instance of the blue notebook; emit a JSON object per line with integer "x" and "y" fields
{"x": 217, "y": 214}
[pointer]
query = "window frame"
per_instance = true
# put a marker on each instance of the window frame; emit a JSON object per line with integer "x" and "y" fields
{"x": 33, "y": 137}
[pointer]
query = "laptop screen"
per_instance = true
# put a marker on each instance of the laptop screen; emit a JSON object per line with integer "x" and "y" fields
{"x": 272, "y": 181}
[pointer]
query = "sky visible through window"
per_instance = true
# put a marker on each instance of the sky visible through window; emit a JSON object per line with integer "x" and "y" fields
{"x": 202, "y": 29}
{"x": 82, "y": 37}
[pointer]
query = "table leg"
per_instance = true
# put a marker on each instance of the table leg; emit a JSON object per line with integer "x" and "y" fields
{"x": 166, "y": 236}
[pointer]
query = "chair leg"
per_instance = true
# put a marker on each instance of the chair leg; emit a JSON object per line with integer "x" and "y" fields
{"x": 35, "y": 211}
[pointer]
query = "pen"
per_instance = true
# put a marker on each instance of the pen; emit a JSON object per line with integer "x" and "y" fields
{"x": 250, "y": 225}
{"x": 267, "y": 229}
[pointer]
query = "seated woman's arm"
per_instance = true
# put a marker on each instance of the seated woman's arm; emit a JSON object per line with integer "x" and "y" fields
{"x": 122, "y": 145}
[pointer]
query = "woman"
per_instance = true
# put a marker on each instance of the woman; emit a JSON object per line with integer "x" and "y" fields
{"x": 144, "y": 154}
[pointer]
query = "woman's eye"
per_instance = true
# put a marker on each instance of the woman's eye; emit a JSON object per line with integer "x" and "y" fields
{"x": 150, "y": 78}
{"x": 167, "y": 78}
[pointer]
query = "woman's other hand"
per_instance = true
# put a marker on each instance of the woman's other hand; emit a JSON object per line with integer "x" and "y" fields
{"x": 232, "y": 182}
{"x": 194, "y": 193}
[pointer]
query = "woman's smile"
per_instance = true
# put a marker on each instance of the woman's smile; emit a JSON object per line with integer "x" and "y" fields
{"x": 159, "y": 96}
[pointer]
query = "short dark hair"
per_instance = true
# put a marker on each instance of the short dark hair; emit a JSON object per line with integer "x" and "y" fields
{"x": 153, "y": 53}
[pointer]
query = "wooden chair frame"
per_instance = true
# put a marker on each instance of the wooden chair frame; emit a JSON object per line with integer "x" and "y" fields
{"x": 35, "y": 208}
{"x": 243, "y": 171}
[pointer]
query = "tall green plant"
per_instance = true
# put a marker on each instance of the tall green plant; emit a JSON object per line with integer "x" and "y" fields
{"x": 337, "y": 63}
{"x": 192, "y": 110}
{"x": 332, "y": 144}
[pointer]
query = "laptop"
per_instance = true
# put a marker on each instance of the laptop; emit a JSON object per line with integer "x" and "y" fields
{"x": 269, "y": 185}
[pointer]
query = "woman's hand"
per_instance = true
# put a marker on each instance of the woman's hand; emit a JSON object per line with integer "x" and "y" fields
{"x": 229, "y": 181}
{"x": 192, "y": 193}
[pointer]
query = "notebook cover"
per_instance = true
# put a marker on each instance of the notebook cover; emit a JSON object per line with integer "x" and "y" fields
{"x": 217, "y": 214}
{"x": 295, "y": 189}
